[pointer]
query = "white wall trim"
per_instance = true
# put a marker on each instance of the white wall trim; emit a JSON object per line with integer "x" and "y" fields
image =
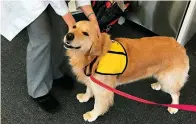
{"x": 186, "y": 22}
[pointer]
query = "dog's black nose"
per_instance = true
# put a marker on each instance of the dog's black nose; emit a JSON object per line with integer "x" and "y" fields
{"x": 70, "y": 37}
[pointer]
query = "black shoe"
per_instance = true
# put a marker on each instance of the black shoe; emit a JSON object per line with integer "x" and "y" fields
{"x": 65, "y": 82}
{"x": 48, "y": 103}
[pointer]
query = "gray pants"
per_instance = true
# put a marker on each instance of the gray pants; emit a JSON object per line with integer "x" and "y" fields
{"x": 45, "y": 52}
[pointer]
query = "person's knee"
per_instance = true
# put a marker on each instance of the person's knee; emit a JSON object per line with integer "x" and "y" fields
{"x": 43, "y": 41}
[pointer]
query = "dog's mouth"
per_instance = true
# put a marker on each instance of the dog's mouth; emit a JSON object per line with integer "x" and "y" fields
{"x": 68, "y": 46}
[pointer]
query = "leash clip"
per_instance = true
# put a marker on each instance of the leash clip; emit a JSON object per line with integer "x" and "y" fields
{"x": 107, "y": 28}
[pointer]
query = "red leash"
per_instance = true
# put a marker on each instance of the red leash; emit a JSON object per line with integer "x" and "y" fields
{"x": 185, "y": 107}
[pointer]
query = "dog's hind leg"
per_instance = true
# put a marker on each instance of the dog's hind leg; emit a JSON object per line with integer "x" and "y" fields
{"x": 103, "y": 98}
{"x": 84, "y": 97}
{"x": 171, "y": 82}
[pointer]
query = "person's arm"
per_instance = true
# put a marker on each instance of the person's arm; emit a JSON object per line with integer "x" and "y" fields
{"x": 88, "y": 11}
{"x": 86, "y": 7}
{"x": 69, "y": 19}
{"x": 61, "y": 9}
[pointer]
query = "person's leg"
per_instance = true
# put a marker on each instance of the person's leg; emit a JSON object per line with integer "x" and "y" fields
{"x": 59, "y": 29}
{"x": 39, "y": 69}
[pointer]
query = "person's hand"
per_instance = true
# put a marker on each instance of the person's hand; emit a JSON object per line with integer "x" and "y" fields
{"x": 88, "y": 11}
{"x": 97, "y": 28}
{"x": 69, "y": 20}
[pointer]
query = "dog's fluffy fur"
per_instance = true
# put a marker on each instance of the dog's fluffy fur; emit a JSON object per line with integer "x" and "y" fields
{"x": 160, "y": 57}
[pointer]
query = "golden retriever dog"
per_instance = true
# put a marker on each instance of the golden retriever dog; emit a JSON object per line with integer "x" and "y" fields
{"x": 160, "y": 57}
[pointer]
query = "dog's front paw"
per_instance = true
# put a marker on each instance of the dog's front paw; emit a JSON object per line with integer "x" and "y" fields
{"x": 82, "y": 97}
{"x": 156, "y": 86}
{"x": 90, "y": 116}
{"x": 172, "y": 110}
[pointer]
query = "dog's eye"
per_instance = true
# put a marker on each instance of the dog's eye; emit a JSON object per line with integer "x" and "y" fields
{"x": 85, "y": 33}
{"x": 74, "y": 26}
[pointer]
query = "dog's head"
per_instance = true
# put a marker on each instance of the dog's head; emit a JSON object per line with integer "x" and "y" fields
{"x": 83, "y": 37}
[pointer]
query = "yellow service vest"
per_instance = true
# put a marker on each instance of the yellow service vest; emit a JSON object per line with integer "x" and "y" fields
{"x": 114, "y": 62}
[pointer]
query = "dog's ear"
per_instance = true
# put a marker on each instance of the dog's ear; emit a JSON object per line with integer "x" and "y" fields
{"x": 100, "y": 45}
{"x": 95, "y": 49}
